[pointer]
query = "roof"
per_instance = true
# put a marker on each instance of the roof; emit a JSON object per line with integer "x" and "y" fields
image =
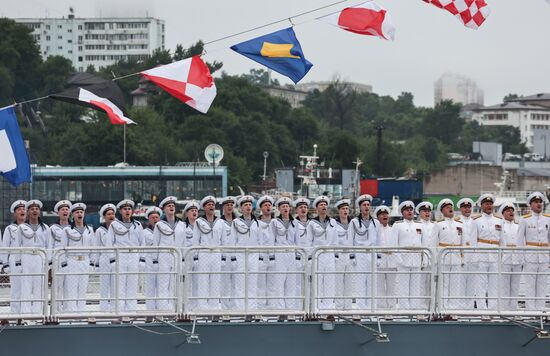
{"x": 534, "y": 172}
{"x": 537, "y": 97}
{"x": 513, "y": 105}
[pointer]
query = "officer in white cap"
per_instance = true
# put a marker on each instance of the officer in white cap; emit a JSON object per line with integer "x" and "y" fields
{"x": 191, "y": 214}
{"x": 246, "y": 232}
{"x": 341, "y": 233}
{"x": 106, "y": 280}
{"x": 408, "y": 233}
{"x": 209, "y": 263}
{"x": 465, "y": 206}
{"x": 222, "y": 232}
{"x": 281, "y": 282}
{"x": 169, "y": 232}
{"x": 62, "y": 209}
{"x": 386, "y": 262}
{"x": 33, "y": 233}
{"x": 77, "y": 265}
{"x": 151, "y": 278}
{"x": 487, "y": 232}
{"x": 126, "y": 233}
{"x": 449, "y": 233}
{"x": 363, "y": 230}
{"x": 301, "y": 221}
{"x": 512, "y": 262}
{"x": 265, "y": 204}
{"x": 10, "y": 262}
{"x": 317, "y": 232}
{"x": 534, "y": 230}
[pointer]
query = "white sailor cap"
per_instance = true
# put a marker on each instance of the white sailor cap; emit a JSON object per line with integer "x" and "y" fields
{"x": 168, "y": 200}
{"x": 486, "y": 197}
{"x": 17, "y": 204}
{"x": 60, "y": 204}
{"x": 444, "y": 202}
{"x": 228, "y": 199}
{"x": 245, "y": 199}
{"x": 283, "y": 200}
{"x": 423, "y": 206}
{"x": 264, "y": 199}
{"x": 153, "y": 210}
{"x": 363, "y": 198}
{"x": 193, "y": 204}
{"x": 406, "y": 204}
{"x": 465, "y": 201}
{"x": 343, "y": 202}
{"x": 106, "y": 207}
{"x": 537, "y": 195}
{"x": 34, "y": 202}
{"x": 78, "y": 206}
{"x": 207, "y": 199}
{"x": 381, "y": 209}
{"x": 301, "y": 201}
{"x": 124, "y": 203}
{"x": 321, "y": 198}
{"x": 505, "y": 206}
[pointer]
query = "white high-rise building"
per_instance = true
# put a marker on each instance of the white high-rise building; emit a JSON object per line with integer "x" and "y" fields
{"x": 96, "y": 41}
{"x": 457, "y": 88}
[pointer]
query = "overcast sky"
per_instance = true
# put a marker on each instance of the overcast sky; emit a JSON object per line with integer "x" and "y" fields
{"x": 510, "y": 53}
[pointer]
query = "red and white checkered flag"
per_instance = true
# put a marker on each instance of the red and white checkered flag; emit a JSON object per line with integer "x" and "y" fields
{"x": 472, "y": 13}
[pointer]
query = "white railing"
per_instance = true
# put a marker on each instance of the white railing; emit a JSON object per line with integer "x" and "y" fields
{"x": 246, "y": 281}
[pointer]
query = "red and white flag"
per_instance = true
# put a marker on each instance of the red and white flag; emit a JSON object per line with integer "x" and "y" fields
{"x": 189, "y": 80}
{"x": 368, "y": 18}
{"x": 115, "y": 114}
{"x": 472, "y": 13}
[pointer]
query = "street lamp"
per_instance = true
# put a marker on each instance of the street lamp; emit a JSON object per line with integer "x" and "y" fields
{"x": 266, "y": 154}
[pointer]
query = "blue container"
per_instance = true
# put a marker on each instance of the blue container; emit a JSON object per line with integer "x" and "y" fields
{"x": 405, "y": 189}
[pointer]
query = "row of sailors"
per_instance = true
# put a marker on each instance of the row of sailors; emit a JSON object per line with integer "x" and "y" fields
{"x": 164, "y": 229}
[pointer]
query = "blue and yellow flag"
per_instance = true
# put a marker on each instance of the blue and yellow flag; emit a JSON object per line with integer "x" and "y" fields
{"x": 279, "y": 51}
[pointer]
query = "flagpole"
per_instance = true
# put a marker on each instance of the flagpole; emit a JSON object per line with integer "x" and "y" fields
{"x": 124, "y": 159}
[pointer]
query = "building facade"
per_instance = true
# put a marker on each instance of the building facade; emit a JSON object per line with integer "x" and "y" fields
{"x": 458, "y": 88}
{"x": 96, "y": 41}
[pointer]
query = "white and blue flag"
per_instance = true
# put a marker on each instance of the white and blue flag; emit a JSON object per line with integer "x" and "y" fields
{"x": 14, "y": 161}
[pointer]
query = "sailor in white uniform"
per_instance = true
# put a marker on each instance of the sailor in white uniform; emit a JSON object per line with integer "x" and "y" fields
{"x": 151, "y": 278}
{"x": 106, "y": 280}
{"x": 209, "y": 263}
{"x": 62, "y": 209}
{"x": 191, "y": 213}
{"x": 386, "y": 263}
{"x": 341, "y": 233}
{"x": 424, "y": 212}
{"x": 449, "y": 232}
{"x": 408, "y": 233}
{"x": 126, "y": 233}
{"x": 301, "y": 220}
{"x": 77, "y": 264}
{"x": 317, "y": 232}
{"x": 246, "y": 232}
{"x": 469, "y": 257}
{"x": 363, "y": 232}
{"x": 9, "y": 261}
{"x": 222, "y": 232}
{"x": 487, "y": 233}
{"x": 534, "y": 232}
{"x": 266, "y": 261}
{"x": 33, "y": 233}
{"x": 512, "y": 262}
{"x": 282, "y": 283}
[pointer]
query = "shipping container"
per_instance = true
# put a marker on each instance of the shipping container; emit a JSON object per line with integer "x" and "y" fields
{"x": 405, "y": 189}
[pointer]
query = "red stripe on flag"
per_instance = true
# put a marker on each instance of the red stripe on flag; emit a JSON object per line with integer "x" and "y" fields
{"x": 173, "y": 87}
{"x": 115, "y": 118}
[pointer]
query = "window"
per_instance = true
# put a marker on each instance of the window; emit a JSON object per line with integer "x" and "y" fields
{"x": 70, "y": 30}
{"x": 59, "y": 26}
{"x": 48, "y": 27}
{"x": 69, "y": 51}
{"x": 59, "y": 37}
{"x": 48, "y": 38}
{"x": 80, "y": 27}
{"x": 69, "y": 41}
{"x": 80, "y": 48}
{"x": 80, "y": 58}
{"x": 60, "y": 47}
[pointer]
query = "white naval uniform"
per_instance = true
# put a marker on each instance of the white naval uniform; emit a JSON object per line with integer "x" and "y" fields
{"x": 119, "y": 235}
{"x": 190, "y": 264}
{"x": 55, "y": 243}
{"x": 245, "y": 233}
{"x": 317, "y": 232}
{"x": 342, "y": 235}
{"x": 222, "y": 232}
{"x": 534, "y": 232}
{"x": 32, "y": 287}
{"x": 469, "y": 258}
{"x": 165, "y": 235}
{"x": 487, "y": 233}
{"x": 408, "y": 233}
{"x": 512, "y": 263}
{"x": 363, "y": 234}
{"x": 387, "y": 268}
{"x": 303, "y": 263}
{"x": 150, "y": 281}
{"x": 209, "y": 285}
{"x": 106, "y": 280}
{"x": 75, "y": 263}
{"x": 11, "y": 261}
{"x": 283, "y": 283}
{"x": 430, "y": 242}
{"x": 266, "y": 262}
{"x": 449, "y": 232}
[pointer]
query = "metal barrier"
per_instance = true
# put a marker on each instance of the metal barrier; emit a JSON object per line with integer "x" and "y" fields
{"x": 24, "y": 289}
{"x": 372, "y": 281}
{"x": 246, "y": 281}
{"x": 494, "y": 281}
